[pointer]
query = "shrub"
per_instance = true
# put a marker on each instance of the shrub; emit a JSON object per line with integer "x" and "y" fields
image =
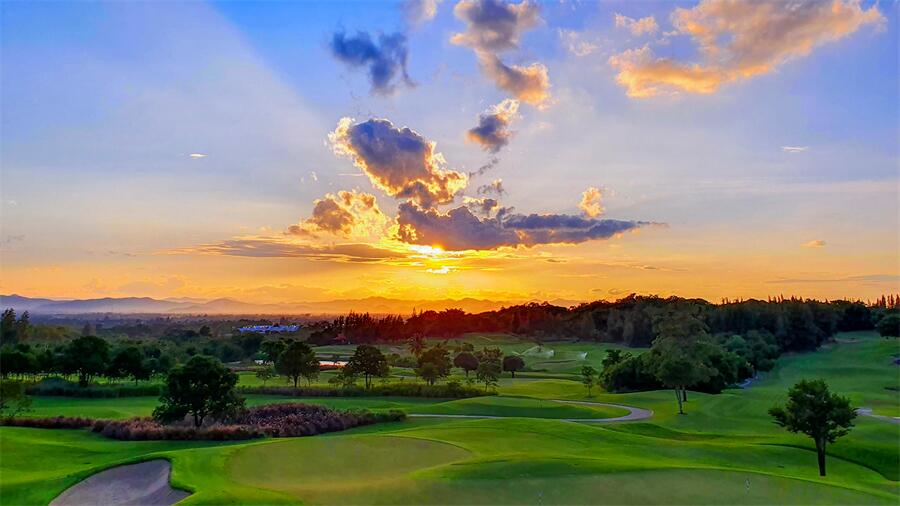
{"x": 55, "y": 422}
{"x": 275, "y": 420}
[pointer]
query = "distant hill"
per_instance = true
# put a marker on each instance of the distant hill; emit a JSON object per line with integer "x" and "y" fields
{"x": 225, "y": 306}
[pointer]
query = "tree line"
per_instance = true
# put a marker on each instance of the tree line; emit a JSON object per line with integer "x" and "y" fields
{"x": 796, "y": 324}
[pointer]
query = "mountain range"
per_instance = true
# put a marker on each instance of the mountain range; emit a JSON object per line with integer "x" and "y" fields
{"x": 225, "y": 306}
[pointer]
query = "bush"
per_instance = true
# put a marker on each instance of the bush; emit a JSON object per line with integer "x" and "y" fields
{"x": 275, "y": 420}
{"x": 64, "y": 388}
{"x": 452, "y": 390}
{"x": 56, "y": 422}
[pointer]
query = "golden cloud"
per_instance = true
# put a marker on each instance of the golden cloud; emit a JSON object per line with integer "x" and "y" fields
{"x": 740, "y": 40}
{"x": 591, "y": 203}
{"x": 346, "y": 214}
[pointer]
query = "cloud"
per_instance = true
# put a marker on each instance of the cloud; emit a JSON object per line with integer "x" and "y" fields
{"x": 529, "y": 84}
{"x": 385, "y": 61}
{"x": 493, "y": 27}
{"x": 867, "y": 278}
{"x": 197, "y": 156}
{"x": 346, "y": 214}
{"x": 574, "y": 43}
{"x": 794, "y": 149}
{"x": 495, "y": 187}
{"x": 740, "y": 40}
{"x": 485, "y": 206}
{"x": 280, "y": 247}
{"x": 591, "y": 203}
{"x": 816, "y": 243}
{"x": 459, "y": 229}
{"x": 419, "y": 12}
{"x": 398, "y": 161}
{"x": 492, "y": 131}
{"x": 637, "y": 27}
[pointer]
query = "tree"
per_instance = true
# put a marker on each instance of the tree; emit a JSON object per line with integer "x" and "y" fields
{"x": 513, "y": 363}
{"x": 588, "y": 377}
{"x": 13, "y": 399}
{"x": 466, "y": 361}
{"x": 8, "y": 327}
{"x": 87, "y": 356}
{"x": 488, "y": 373}
{"x": 297, "y": 361}
{"x": 129, "y": 362}
{"x": 200, "y": 388}
{"x": 16, "y": 362}
{"x": 272, "y": 348}
{"x": 368, "y": 361}
{"x": 677, "y": 355}
{"x": 346, "y": 378}
{"x": 265, "y": 374}
{"x": 889, "y": 325}
{"x": 416, "y": 344}
{"x": 813, "y": 410}
{"x": 433, "y": 364}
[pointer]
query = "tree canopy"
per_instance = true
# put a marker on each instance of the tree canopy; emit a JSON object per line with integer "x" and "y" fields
{"x": 199, "y": 388}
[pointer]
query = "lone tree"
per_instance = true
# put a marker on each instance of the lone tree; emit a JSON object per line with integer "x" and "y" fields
{"x": 13, "y": 399}
{"x": 513, "y": 363}
{"x": 265, "y": 374}
{"x": 199, "y": 388}
{"x": 466, "y": 361}
{"x": 368, "y": 361}
{"x": 434, "y": 363}
{"x": 816, "y": 412}
{"x": 588, "y": 377}
{"x": 677, "y": 356}
{"x": 87, "y": 356}
{"x": 297, "y": 361}
{"x": 488, "y": 373}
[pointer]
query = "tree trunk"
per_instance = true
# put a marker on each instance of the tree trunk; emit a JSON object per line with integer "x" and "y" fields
{"x": 197, "y": 421}
{"x": 820, "y": 452}
{"x": 678, "y": 396}
{"x": 295, "y": 381}
{"x": 513, "y": 374}
{"x": 684, "y": 394}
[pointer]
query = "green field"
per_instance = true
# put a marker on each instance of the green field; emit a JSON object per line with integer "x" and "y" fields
{"x": 726, "y": 450}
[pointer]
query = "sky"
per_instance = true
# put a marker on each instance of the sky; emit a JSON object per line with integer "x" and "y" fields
{"x": 309, "y": 151}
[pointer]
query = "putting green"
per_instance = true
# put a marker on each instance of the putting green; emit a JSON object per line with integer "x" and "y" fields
{"x": 323, "y": 467}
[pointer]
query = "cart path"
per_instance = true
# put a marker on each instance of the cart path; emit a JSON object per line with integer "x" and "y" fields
{"x": 634, "y": 413}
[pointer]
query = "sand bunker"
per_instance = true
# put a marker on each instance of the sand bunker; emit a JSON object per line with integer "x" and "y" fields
{"x": 146, "y": 483}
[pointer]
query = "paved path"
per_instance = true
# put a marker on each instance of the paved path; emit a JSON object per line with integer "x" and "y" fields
{"x": 868, "y": 412}
{"x": 633, "y": 414}
{"x": 142, "y": 484}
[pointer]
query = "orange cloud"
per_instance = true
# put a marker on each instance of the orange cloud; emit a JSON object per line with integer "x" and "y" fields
{"x": 529, "y": 84}
{"x": 347, "y": 213}
{"x": 740, "y": 40}
{"x": 817, "y": 243}
{"x": 591, "y": 202}
{"x": 637, "y": 27}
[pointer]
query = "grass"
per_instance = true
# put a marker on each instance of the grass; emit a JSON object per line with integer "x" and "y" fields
{"x": 726, "y": 450}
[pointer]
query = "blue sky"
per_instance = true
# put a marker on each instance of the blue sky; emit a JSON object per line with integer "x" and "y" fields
{"x": 103, "y": 103}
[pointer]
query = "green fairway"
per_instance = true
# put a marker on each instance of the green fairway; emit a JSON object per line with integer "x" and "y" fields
{"x": 516, "y": 406}
{"x": 725, "y": 450}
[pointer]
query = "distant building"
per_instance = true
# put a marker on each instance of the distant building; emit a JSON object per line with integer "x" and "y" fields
{"x": 269, "y": 329}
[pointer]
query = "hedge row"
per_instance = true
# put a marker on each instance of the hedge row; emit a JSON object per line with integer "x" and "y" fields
{"x": 448, "y": 391}
{"x": 275, "y": 420}
{"x": 59, "y": 387}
